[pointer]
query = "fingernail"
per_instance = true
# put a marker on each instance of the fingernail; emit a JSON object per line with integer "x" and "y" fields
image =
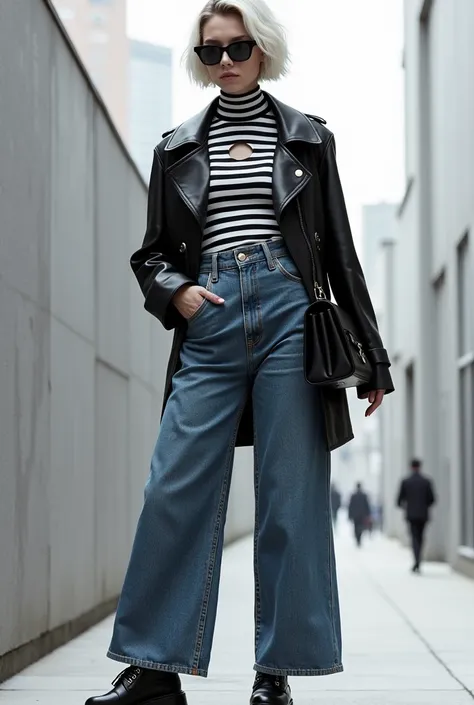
{"x": 221, "y": 301}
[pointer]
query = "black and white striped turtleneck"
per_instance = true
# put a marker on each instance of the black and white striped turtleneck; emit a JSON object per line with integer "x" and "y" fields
{"x": 240, "y": 209}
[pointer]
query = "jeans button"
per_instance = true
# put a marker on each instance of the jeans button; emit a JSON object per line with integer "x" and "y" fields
{"x": 241, "y": 256}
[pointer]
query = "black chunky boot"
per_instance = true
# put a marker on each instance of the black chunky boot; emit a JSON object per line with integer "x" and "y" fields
{"x": 142, "y": 686}
{"x": 270, "y": 690}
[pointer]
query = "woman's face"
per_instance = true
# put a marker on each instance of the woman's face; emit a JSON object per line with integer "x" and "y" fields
{"x": 232, "y": 76}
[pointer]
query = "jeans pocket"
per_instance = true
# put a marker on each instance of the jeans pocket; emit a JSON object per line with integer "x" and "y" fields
{"x": 288, "y": 268}
{"x": 206, "y": 281}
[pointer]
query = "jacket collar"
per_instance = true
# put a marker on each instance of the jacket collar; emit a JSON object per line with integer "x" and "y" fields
{"x": 292, "y": 125}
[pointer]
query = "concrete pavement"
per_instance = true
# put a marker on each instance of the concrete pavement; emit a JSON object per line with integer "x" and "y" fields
{"x": 408, "y": 640}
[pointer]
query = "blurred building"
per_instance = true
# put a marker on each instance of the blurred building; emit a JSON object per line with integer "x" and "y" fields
{"x": 150, "y": 100}
{"x": 378, "y": 232}
{"x": 379, "y": 223}
{"x": 361, "y": 460}
{"x": 430, "y": 278}
{"x": 98, "y": 30}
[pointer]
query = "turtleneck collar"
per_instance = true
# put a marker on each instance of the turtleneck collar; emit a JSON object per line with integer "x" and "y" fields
{"x": 242, "y": 107}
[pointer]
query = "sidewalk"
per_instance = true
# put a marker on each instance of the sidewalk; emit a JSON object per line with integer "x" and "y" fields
{"x": 408, "y": 640}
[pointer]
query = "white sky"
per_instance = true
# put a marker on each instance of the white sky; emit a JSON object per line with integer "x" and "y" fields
{"x": 346, "y": 67}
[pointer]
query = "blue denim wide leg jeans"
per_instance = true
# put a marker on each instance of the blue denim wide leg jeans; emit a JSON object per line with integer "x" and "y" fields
{"x": 253, "y": 342}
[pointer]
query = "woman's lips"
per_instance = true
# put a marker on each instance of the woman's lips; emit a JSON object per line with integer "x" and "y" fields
{"x": 229, "y": 75}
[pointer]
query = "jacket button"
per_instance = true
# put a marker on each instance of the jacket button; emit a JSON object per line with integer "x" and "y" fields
{"x": 298, "y": 172}
{"x": 182, "y": 247}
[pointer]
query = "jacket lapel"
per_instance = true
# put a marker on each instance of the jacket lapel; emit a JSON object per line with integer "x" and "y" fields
{"x": 290, "y": 176}
{"x": 191, "y": 177}
{"x": 190, "y": 173}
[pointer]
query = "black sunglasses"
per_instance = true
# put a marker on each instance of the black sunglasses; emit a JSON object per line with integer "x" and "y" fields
{"x": 211, "y": 54}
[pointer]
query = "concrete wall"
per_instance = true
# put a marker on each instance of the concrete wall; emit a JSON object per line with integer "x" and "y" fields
{"x": 437, "y": 213}
{"x": 81, "y": 363}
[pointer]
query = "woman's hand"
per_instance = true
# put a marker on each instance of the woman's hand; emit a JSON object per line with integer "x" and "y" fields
{"x": 190, "y": 297}
{"x": 375, "y": 398}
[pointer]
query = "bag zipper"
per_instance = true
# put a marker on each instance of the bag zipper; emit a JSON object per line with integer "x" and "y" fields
{"x": 318, "y": 289}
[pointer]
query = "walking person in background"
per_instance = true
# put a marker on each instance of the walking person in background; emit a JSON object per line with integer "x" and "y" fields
{"x": 243, "y": 198}
{"x": 335, "y": 503}
{"x": 416, "y": 496}
{"x": 359, "y": 512}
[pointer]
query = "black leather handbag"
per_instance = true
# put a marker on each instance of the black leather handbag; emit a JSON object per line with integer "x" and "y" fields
{"x": 333, "y": 354}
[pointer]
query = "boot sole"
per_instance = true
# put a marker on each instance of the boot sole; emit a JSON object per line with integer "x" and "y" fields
{"x": 171, "y": 699}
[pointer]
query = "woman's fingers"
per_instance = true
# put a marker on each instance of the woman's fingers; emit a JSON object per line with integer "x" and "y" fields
{"x": 209, "y": 295}
{"x": 193, "y": 299}
{"x": 376, "y": 398}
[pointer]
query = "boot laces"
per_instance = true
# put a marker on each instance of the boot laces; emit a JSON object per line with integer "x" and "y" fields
{"x": 128, "y": 676}
{"x": 279, "y": 681}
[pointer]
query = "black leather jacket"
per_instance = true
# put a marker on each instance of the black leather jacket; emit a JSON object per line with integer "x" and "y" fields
{"x": 310, "y": 209}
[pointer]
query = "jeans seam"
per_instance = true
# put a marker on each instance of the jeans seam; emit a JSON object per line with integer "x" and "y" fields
{"x": 214, "y": 545}
{"x": 256, "y": 536}
{"x": 330, "y": 554}
{"x": 338, "y": 668}
{"x": 172, "y": 668}
{"x": 248, "y": 345}
{"x": 258, "y": 307}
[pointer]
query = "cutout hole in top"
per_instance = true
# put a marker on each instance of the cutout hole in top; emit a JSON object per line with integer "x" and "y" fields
{"x": 240, "y": 151}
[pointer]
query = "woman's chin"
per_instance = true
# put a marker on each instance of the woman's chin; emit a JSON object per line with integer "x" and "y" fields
{"x": 235, "y": 85}
{"x": 230, "y": 85}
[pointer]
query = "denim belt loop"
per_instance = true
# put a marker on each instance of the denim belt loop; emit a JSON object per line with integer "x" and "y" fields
{"x": 214, "y": 270}
{"x": 269, "y": 256}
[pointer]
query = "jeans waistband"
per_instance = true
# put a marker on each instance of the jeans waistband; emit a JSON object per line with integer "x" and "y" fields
{"x": 242, "y": 256}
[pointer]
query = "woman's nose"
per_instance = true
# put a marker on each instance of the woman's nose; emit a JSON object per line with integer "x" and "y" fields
{"x": 226, "y": 60}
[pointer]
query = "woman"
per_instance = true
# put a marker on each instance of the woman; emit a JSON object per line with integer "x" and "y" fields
{"x": 243, "y": 197}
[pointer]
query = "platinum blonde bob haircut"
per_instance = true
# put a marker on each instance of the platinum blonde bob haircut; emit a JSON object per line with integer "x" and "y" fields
{"x": 261, "y": 25}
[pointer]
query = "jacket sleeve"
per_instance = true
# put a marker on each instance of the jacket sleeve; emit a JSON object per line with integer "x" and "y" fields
{"x": 431, "y": 498}
{"x": 401, "y": 499}
{"x": 158, "y": 278}
{"x": 345, "y": 273}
